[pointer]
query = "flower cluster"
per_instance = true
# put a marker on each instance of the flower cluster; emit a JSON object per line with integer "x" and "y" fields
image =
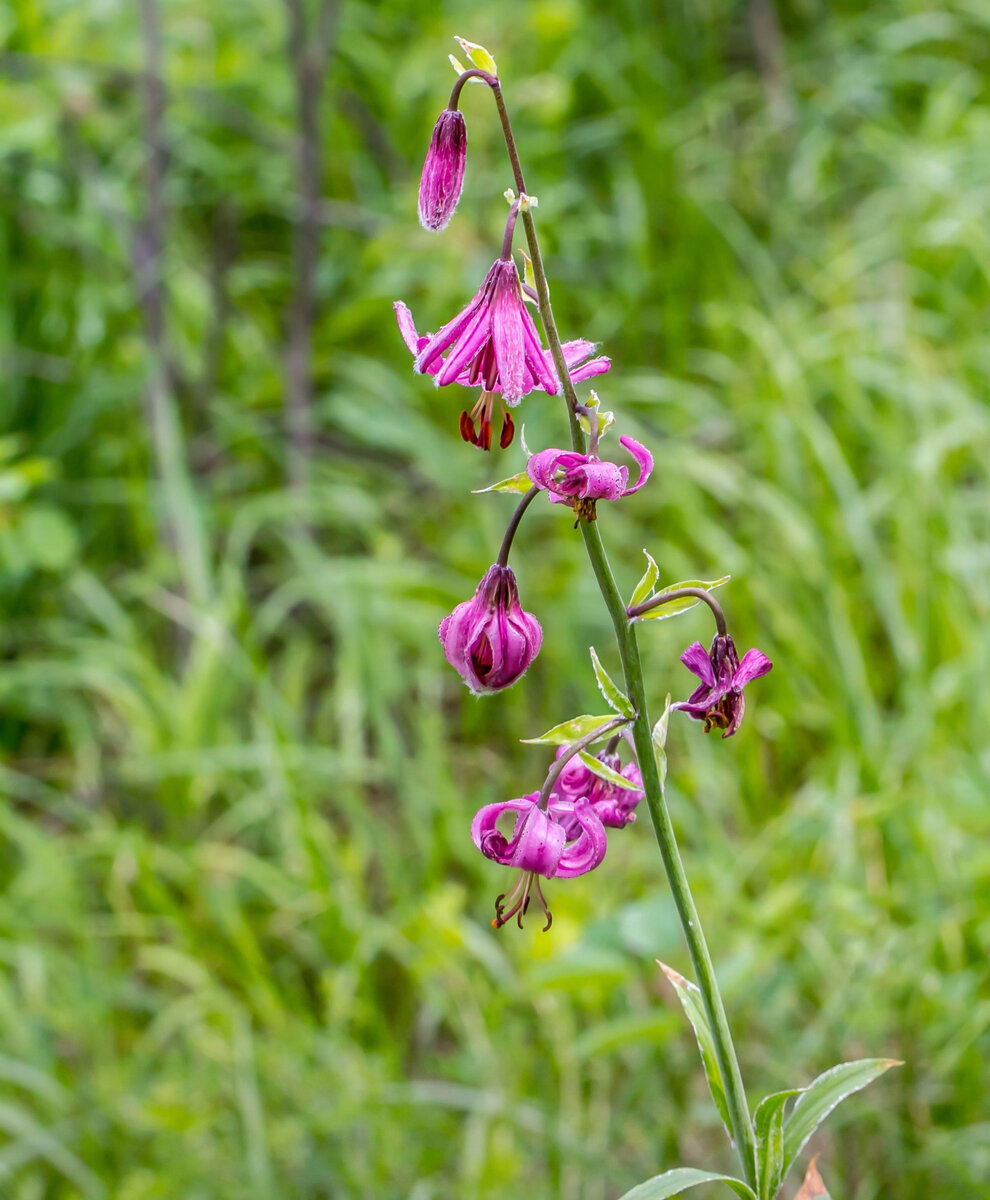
{"x": 493, "y": 344}
{"x": 559, "y": 839}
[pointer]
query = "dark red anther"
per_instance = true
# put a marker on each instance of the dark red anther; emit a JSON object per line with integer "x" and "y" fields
{"x": 484, "y": 439}
{"x": 508, "y": 432}
{"x": 467, "y": 429}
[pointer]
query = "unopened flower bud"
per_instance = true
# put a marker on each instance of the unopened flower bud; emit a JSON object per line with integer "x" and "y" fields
{"x": 443, "y": 171}
{"x": 489, "y": 640}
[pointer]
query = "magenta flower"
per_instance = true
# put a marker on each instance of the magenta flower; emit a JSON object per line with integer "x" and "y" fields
{"x": 580, "y": 480}
{"x": 719, "y": 701}
{"x": 577, "y": 354}
{"x": 565, "y": 840}
{"x": 611, "y": 804}
{"x": 488, "y": 639}
{"x": 443, "y": 171}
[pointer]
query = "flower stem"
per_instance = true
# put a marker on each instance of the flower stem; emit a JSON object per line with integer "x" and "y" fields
{"x": 572, "y": 749}
{"x": 681, "y": 594}
{"x": 625, "y": 635}
{"x": 510, "y": 530}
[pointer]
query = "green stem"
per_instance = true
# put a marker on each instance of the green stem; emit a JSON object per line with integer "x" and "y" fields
{"x": 625, "y": 636}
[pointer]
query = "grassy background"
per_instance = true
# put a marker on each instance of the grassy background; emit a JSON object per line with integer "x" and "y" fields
{"x": 244, "y": 938}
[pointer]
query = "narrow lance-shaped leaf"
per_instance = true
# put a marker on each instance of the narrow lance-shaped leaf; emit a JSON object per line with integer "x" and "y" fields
{"x": 613, "y": 696}
{"x": 572, "y": 731}
{"x": 515, "y": 483}
{"x": 822, "y": 1095}
{"x": 672, "y": 1183}
{"x": 675, "y": 607}
{"x": 645, "y": 587}
{"x": 460, "y": 68}
{"x": 690, "y": 998}
{"x": 605, "y": 772}
{"x": 768, "y": 1123}
{"x": 659, "y": 737}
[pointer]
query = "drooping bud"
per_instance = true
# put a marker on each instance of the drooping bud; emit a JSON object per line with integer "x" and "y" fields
{"x": 443, "y": 171}
{"x": 489, "y": 640}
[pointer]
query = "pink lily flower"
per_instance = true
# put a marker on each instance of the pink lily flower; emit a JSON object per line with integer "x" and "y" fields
{"x": 489, "y": 640}
{"x": 580, "y": 480}
{"x": 611, "y": 804}
{"x": 577, "y": 354}
{"x": 719, "y": 701}
{"x": 564, "y": 840}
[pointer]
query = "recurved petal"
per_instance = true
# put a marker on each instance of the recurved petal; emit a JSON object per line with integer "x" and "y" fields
{"x": 542, "y": 466}
{"x": 644, "y": 460}
{"x": 752, "y": 665}
{"x": 696, "y": 659}
{"x": 588, "y": 848}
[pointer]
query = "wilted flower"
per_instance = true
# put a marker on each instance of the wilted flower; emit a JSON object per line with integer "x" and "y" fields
{"x": 719, "y": 701}
{"x": 488, "y": 639}
{"x": 579, "y": 480}
{"x": 562, "y": 841}
{"x": 613, "y": 805}
{"x": 443, "y": 170}
{"x": 577, "y": 355}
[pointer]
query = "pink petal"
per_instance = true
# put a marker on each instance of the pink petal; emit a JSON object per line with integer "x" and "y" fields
{"x": 588, "y": 850}
{"x": 644, "y": 460}
{"x": 508, "y": 334}
{"x": 753, "y": 664}
{"x": 696, "y": 659}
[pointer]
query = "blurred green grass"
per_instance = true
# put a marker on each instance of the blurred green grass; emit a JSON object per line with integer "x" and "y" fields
{"x": 244, "y": 942}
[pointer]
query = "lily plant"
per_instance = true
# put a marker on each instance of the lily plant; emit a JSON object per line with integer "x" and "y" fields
{"x": 561, "y": 829}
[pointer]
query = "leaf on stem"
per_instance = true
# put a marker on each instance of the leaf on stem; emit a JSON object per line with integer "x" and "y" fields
{"x": 659, "y": 738}
{"x": 605, "y": 419}
{"x": 689, "y": 995}
{"x": 672, "y": 1183}
{"x": 768, "y": 1123}
{"x": 822, "y": 1095}
{"x": 813, "y": 1187}
{"x": 572, "y": 731}
{"x": 597, "y": 767}
{"x": 478, "y": 55}
{"x": 614, "y": 698}
{"x": 460, "y": 68}
{"x": 661, "y": 612}
{"x": 644, "y": 589}
{"x": 515, "y": 483}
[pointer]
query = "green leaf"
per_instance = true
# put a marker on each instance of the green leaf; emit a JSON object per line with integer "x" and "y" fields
{"x": 460, "y": 68}
{"x": 478, "y": 55}
{"x": 679, "y": 606}
{"x": 522, "y": 441}
{"x": 690, "y": 998}
{"x": 529, "y": 279}
{"x": 605, "y": 419}
{"x": 659, "y": 737}
{"x": 645, "y": 587}
{"x": 515, "y": 483}
{"x": 768, "y": 1124}
{"x": 614, "y": 698}
{"x": 672, "y": 1183}
{"x": 605, "y": 772}
{"x": 572, "y": 731}
{"x": 821, "y": 1096}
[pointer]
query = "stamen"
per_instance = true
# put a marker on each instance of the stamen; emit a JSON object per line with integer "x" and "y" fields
{"x": 508, "y": 431}
{"x": 467, "y": 429}
{"x": 485, "y": 436}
